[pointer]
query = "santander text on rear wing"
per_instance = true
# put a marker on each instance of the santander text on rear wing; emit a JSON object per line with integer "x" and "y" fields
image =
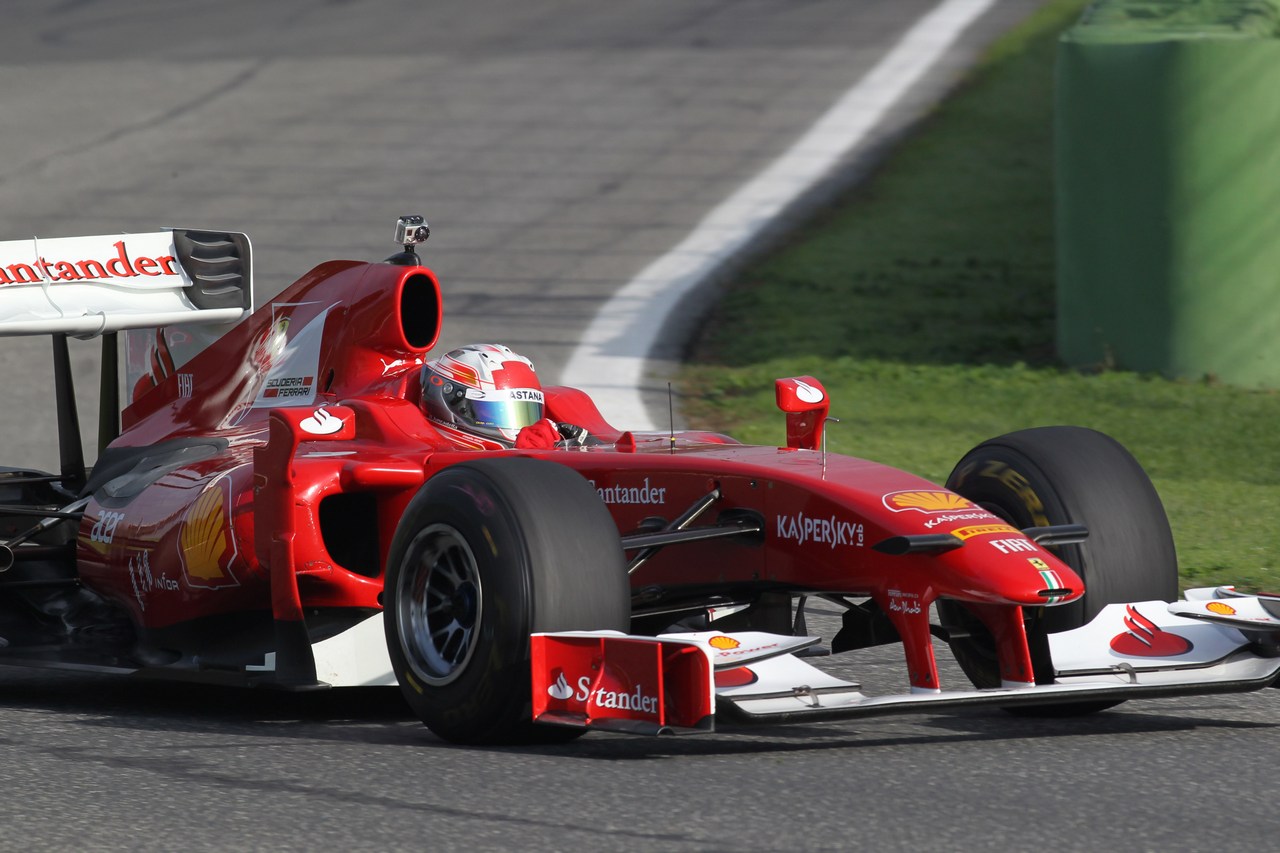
{"x": 87, "y": 286}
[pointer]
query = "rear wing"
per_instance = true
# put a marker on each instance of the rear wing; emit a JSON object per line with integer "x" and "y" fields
{"x": 88, "y": 286}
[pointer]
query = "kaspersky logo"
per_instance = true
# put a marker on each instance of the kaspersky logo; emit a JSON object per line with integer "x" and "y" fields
{"x": 633, "y": 700}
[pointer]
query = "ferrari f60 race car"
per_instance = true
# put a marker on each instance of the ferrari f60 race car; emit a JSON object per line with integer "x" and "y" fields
{"x": 271, "y": 507}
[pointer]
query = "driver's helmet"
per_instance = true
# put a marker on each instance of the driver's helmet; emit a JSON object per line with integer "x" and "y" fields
{"x": 482, "y": 389}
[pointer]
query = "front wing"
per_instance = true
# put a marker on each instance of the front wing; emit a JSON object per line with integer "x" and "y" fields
{"x": 1215, "y": 642}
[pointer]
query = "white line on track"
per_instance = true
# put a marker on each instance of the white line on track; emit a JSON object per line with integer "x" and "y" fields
{"x": 609, "y": 362}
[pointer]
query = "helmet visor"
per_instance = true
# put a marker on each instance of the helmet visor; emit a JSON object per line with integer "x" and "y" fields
{"x": 511, "y": 410}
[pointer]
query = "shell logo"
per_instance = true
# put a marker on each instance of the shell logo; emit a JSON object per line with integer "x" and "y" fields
{"x": 723, "y": 643}
{"x": 926, "y": 502}
{"x": 205, "y": 541}
{"x": 1220, "y": 608}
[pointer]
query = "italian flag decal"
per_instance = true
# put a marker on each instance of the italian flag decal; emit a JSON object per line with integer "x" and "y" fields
{"x": 1051, "y": 581}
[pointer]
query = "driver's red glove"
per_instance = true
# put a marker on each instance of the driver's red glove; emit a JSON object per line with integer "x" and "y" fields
{"x": 542, "y": 435}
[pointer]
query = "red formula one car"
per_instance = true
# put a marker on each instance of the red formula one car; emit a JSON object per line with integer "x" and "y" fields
{"x": 283, "y": 506}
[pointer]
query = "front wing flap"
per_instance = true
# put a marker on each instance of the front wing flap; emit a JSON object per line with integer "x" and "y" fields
{"x": 609, "y": 680}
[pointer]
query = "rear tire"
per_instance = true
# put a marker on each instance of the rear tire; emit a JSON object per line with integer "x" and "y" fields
{"x": 1066, "y": 475}
{"x": 487, "y": 553}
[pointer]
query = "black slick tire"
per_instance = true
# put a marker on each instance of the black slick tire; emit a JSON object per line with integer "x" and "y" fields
{"x": 1067, "y": 475}
{"x": 487, "y": 553}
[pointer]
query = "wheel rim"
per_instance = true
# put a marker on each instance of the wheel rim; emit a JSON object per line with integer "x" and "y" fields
{"x": 440, "y": 603}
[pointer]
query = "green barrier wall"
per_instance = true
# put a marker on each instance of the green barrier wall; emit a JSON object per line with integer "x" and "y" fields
{"x": 1168, "y": 190}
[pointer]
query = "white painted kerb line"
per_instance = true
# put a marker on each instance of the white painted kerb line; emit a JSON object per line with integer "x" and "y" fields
{"x": 609, "y": 362}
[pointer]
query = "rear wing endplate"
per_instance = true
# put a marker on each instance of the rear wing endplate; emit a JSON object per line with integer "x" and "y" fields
{"x": 89, "y": 286}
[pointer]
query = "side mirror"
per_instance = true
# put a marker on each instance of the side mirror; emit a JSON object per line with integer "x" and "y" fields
{"x": 806, "y": 404}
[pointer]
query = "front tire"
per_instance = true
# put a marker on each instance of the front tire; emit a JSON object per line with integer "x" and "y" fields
{"x": 487, "y": 553}
{"x": 1067, "y": 475}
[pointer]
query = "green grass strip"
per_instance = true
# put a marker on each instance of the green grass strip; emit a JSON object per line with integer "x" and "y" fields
{"x": 924, "y": 302}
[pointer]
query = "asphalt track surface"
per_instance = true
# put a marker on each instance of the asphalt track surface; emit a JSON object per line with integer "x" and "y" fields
{"x": 557, "y": 147}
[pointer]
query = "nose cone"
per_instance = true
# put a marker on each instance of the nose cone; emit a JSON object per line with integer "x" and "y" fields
{"x": 1060, "y": 587}
{"x": 964, "y": 551}
{"x": 1011, "y": 569}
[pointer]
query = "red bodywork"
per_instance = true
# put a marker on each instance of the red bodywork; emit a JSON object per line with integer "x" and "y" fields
{"x": 264, "y": 511}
